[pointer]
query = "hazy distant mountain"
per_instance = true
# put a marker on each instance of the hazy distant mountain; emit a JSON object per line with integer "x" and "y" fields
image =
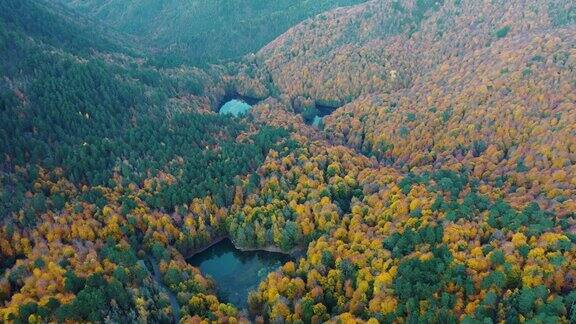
{"x": 201, "y": 31}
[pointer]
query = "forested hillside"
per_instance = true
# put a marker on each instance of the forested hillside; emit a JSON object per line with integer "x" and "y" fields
{"x": 433, "y": 85}
{"x": 200, "y": 31}
{"x": 87, "y": 128}
{"x": 381, "y": 46}
{"x": 439, "y": 188}
{"x": 471, "y": 102}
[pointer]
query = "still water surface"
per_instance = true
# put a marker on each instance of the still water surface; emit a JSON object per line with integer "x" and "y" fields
{"x": 235, "y": 107}
{"x": 236, "y": 272}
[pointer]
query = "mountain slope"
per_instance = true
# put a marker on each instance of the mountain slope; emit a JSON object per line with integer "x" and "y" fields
{"x": 467, "y": 108}
{"x": 99, "y": 148}
{"x": 505, "y": 112}
{"x": 199, "y": 31}
{"x": 485, "y": 87}
{"x": 384, "y": 45}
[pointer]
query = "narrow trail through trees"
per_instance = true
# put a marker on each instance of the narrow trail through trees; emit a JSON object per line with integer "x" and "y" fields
{"x": 158, "y": 278}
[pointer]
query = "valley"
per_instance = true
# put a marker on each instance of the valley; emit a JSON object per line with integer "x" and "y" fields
{"x": 350, "y": 161}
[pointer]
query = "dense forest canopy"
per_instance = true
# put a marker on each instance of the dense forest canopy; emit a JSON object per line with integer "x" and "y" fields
{"x": 436, "y": 184}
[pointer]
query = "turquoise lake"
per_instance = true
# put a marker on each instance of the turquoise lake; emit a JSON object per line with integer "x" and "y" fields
{"x": 235, "y": 107}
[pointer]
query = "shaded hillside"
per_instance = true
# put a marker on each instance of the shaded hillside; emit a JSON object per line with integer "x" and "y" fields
{"x": 92, "y": 135}
{"x": 54, "y": 25}
{"x": 199, "y": 31}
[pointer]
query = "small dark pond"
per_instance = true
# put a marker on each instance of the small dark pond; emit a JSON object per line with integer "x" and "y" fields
{"x": 324, "y": 110}
{"x": 321, "y": 112}
{"x": 236, "y": 272}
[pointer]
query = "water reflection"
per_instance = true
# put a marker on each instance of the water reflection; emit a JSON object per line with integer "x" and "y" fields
{"x": 236, "y": 272}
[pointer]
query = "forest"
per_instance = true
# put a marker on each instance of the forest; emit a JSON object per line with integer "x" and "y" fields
{"x": 439, "y": 185}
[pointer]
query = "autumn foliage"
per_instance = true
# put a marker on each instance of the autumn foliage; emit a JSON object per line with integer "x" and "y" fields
{"x": 441, "y": 189}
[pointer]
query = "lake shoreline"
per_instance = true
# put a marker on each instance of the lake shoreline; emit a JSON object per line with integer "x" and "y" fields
{"x": 294, "y": 253}
{"x": 157, "y": 277}
{"x": 238, "y": 270}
